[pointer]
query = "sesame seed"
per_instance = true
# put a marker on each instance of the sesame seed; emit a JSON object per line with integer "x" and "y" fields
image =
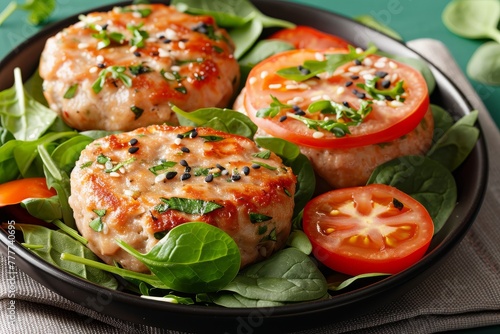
{"x": 185, "y": 176}
{"x": 209, "y": 178}
{"x": 182, "y": 45}
{"x": 381, "y": 74}
{"x": 319, "y": 56}
{"x": 133, "y": 141}
{"x": 162, "y": 53}
{"x": 187, "y": 169}
{"x": 185, "y": 149}
{"x": 316, "y": 98}
{"x": 133, "y": 149}
{"x": 359, "y": 50}
{"x": 83, "y": 45}
{"x": 368, "y": 77}
{"x": 235, "y": 177}
{"x": 357, "y": 62}
{"x": 348, "y": 83}
{"x": 393, "y": 65}
{"x": 358, "y": 94}
{"x": 122, "y": 170}
{"x": 282, "y": 118}
{"x": 160, "y": 177}
{"x": 224, "y": 172}
{"x": 318, "y": 134}
{"x": 246, "y": 170}
{"x": 252, "y": 80}
{"x": 255, "y": 166}
{"x": 396, "y": 103}
{"x": 170, "y": 34}
{"x": 193, "y": 134}
{"x": 99, "y": 59}
{"x": 170, "y": 175}
{"x": 220, "y": 167}
{"x": 183, "y": 163}
{"x": 354, "y": 77}
{"x": 177, "y": 141}
{"x": 101, "y": 65}
{"x": 93, "y": 69}
{"x": 379, "y": 64}
{"x": 275, "y": 86}
{"x": 303, "y": 86}
{"x": 298, "y": 99}
{"x": 368, "y": 62}
{"x": 175, "y": 68}
{"x": 385, "y": 83}
{"x": 303, "y": 70}
{"x": 108, "y": 164}
{"x": 264, "y": 74}
{"x": 292, "y": 86}
{"x": 345, "y": 103}
{"x": 114, "y": 174}
{"x": 355, "y": 69}
{"x": 133, "y": 48}
{"x": 340, "y": 90}
{"x": 180, "y": 136}
{"x": 326, "y": 97}
{"x": 169, "y": 76}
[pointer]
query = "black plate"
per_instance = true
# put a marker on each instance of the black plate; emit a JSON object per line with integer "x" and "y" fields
{"x": 471, "y": 180}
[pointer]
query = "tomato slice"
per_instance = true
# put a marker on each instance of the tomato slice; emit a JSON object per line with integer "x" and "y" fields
{"x": 374, "y": 228}
{"x": 14, "y": 192}
{"x": 387, "y": 121}
{"x": 304, "y": 37}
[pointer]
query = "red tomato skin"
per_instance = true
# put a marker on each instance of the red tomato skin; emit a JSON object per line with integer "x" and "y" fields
{"x": 257, "y": 96}
{"x": 352, "y": 263}
{"x": 304, "y": 37}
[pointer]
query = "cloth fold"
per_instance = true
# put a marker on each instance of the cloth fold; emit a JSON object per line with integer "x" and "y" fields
{"x": 464, "y": 292}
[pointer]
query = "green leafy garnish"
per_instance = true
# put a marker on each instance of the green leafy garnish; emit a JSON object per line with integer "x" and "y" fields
{"x": 348, "y": 115}
{"x": 258, "y": 218}
{"x": 116, "y": 72}
{"x": 311, "y": 68}
{"x": 370, "y": 87}
{"x": 162, "y": 166}
{"x": 187, "y": 205}
{"x": 274, "y": 108}
{"x": 38, "y": 10}
{"x": 138, "y": 36}
{"x": 266, "y": 154}
{"x": 70, "y": 93}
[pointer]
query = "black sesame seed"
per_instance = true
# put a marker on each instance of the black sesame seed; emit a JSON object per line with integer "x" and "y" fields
{"x": 183, "y": 163}
{"x": 385, "y": 83}
{"x": 170, "y": 175}
{"x": 201, "y": 27}
{"x": 354, "y": 77}
{"x": 282, "y": 118}
{"x": 166, "y": 41}
{"x": 187, "y": 169}
{"x": 133, "y": 141}
{"x": 220, "y": 166}
{"x": 193, "y": 134}
{"x": 348, "y": 83}
{"x": 180, "y": 136}
{"x": 101, "y": 65}
{"x": 235, "y": 177}
{"x": 161, "y": 37}
{"x": 381, "y": 74}
{"x": 209, "y": 178}
{"x": 255, "y": 166}
{"x": 104, "y": 26}
{"x": 245, "y": 170}
{"x": 345, "y": 103}
{"x": 357, "y": 61}
{"x": 185, "y": 149}
{"x": 358, "y": 94}
{"x": 185, "y": 176}
{"x": 137, "y": 53}
{"x": 184, "y": 40}
{"x": 133, "y": 149}
{"x": 303, "y": 70}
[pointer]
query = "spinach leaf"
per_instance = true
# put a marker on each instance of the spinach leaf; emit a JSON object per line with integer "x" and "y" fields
{"x": 43, "y": 208}
{"x": 67, "y": 153}
{"x": 24, "y": 117}
{"x": 55, "y": 243}
{"x": 187, "y": 205}
{"x": 424, "y": 179}
{"x": 234, "y": 300}
{"x": 287, "y": 276}
{"x": 233, "y": 122}
{"x": 484, "y": 66}
{"x": 193, "y": 257}
{"x": 243, "y": 20}
{"x": 8, "y": 166}
{"x": 442, "y": 122}
{"x": 301, "y": 167}
{"x": 264, "y": 49}
{"x": 299, "y": 240}
{"x": 345, "y": 282}
{"x": 456, "y": 143}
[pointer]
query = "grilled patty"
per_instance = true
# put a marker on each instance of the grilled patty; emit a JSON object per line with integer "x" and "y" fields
{"x": 121, "y": 183}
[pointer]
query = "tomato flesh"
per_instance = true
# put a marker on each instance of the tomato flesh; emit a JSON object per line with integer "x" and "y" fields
{"x": 388, "y": 120}
{"x": 304, "y": 37}
{"x": 14, "y": 192}
{"x": 370, "y": 229}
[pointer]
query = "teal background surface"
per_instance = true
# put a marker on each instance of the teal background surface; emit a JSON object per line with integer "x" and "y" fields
{"x": 412, "y": 19}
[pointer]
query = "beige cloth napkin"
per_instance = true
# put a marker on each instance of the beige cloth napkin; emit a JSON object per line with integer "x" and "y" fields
{"x": 463, "y": 293}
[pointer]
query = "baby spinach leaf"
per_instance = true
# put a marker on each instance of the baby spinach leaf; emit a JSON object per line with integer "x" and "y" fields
{"x": 456, "y": 143}
{"x": 301, "y": 167}
{"x": 264, "y": 49}
{"x": 43, "y": 208}
{"x": 287, "y": 276}
{"x": 233, "y": 121}
{"x": 55, "y": 243}
{"x": 484, "y": 65}
{"x": 187, "y": 205}
{"x": 424, "y": 179}
{"x": 344, "y": 283}
{"x": 193, "y": 257}
{"x": 245, "y": 36}
{"x": 235, "y": 300}
{"x": 442, "y": 122}
{"x": 299, "y": 240}
{"x": 24, "y": 117}
{"x": 67, "y": 153}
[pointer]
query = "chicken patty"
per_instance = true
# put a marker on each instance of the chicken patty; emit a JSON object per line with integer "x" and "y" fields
{"x": 120, "y": 70}
{"x": 124, "y": 187}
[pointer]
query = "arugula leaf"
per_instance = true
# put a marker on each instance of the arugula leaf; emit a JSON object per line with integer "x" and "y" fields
{"x": 312, "y": 68}
{"x": 187, "y": 205}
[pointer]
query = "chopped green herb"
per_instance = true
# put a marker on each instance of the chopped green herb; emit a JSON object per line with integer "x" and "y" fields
{"x": 212, "y": 138}
{"x": 138, "y": 36}
{"x": 116, "y": 72}
{"x": 87, "y": 164}
{"x": 262, "y": 229}
{"x": 162, "y": 166}
{"x": 264, "y": 165}
{"x": 100, "y": 212}
{"x": 382, "y": 94}
{"x": 96, "y": 224}
{"x": 102, "y": 159}
{"x": 258, "y": 218}
{"x": 187, "y": 205}
{"x": 139, "y": 69}
{"x": 181, "y": 89}
{"x": 349, "y": 115}
{"x": 70, "y": 93}
{"x": 266, "y": 154}
{"x": 137, "y": 111}
{"x": 120, "y": 165}
{"x": 274, "y": 109}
